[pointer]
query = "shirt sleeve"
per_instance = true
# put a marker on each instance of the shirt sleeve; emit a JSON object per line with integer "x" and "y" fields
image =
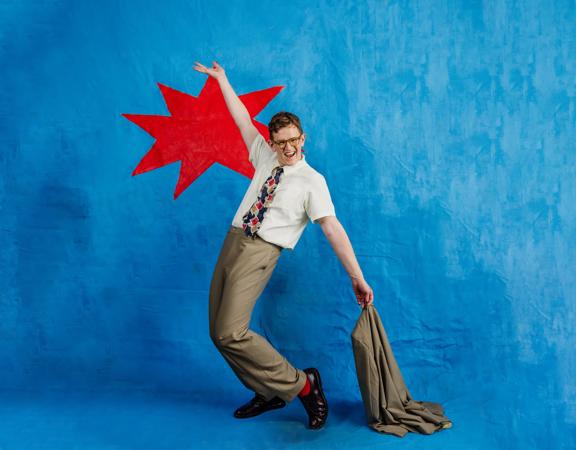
{"x": 318, "y": 202}
{"x": 259, "y": 150}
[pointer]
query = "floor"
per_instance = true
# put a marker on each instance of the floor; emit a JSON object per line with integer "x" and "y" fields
{"x": 107, "y": 420}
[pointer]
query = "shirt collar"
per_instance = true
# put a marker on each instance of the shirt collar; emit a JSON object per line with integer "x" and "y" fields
{"x": 293, "y": 167}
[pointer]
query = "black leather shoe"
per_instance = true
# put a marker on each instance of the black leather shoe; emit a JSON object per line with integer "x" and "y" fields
{"x": 315, "y": 402}
{"x": 257, "y": 406}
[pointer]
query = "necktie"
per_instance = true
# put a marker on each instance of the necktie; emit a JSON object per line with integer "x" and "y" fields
{"x": 252, "y": 220}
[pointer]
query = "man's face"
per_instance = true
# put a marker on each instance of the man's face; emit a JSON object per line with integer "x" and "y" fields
{"x": 287, "y": 142}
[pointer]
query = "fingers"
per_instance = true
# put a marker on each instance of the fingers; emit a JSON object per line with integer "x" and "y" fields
{"x": 363, "y": 300}
{"x": 200, "y": 68}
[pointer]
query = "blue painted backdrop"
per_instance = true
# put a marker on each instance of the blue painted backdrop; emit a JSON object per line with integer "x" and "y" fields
{"x": 446, "y": 133}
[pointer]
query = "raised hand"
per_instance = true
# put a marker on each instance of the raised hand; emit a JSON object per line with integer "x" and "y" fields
{"x": 216, "y": 71}
{"x": 237, "y": 109}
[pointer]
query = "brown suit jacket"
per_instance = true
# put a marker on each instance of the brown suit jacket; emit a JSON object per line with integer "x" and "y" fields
{"x": 388, "y": 405}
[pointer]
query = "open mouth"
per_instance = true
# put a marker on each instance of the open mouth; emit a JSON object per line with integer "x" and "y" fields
{"x": 289, "y": 155}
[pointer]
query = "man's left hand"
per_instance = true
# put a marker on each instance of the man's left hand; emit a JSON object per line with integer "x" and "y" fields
{"x": 363, "y": 292}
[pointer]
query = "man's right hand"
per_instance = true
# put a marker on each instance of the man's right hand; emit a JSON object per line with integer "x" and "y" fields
{"x": 216, "y": 71}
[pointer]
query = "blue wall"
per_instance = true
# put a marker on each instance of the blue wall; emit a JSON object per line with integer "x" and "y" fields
{"x": 445, "y": 131}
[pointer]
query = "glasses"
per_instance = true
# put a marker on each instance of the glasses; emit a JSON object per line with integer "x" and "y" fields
{"x": 292, "y": 141}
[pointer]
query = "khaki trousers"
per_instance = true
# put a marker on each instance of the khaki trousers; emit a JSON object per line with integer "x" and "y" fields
{"x": 242, "y": 271}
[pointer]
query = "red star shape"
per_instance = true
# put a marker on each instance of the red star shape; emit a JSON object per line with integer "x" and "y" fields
{"x": 199, "y": 132}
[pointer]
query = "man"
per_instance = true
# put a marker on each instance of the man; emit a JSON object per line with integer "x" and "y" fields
{"x": 284, "y": 193}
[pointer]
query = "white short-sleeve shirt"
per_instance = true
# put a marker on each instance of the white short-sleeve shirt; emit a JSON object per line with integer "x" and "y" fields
{"x": 302, "y": 194}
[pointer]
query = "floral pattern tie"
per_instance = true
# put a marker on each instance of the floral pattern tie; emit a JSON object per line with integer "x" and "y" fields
{"x": 252, "y": 220}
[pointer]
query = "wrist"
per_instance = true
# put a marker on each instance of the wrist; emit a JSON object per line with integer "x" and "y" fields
{"x": 357, "y": 276}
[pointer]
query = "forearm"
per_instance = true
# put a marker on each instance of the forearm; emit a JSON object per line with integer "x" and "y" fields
{"x": 343, "y": 248}
{"x": 234, "y": 104}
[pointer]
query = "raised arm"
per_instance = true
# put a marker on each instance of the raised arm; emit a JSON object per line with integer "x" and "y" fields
{"x": 336, "y": 235}
{"x": 237, "y": 109}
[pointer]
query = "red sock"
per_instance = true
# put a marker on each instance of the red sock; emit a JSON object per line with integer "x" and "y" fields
{"x": 306, "y": 389}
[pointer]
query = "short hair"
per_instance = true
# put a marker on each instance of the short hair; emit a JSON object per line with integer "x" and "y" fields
{"x": 283, "y": 119}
